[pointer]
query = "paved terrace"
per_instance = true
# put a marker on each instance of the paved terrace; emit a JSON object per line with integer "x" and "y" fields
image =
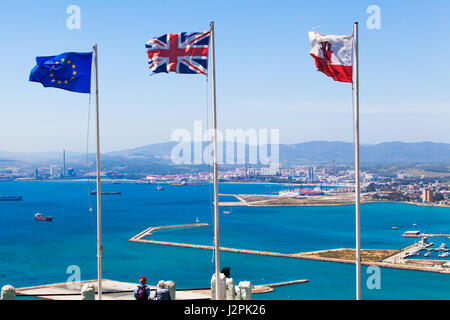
{"x": 112, "y": 290}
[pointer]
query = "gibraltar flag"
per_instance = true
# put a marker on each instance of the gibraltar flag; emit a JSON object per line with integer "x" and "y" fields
{"x": 333, "y": 55}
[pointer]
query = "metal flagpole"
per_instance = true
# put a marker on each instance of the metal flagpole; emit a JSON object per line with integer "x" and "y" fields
{"x": 99, "y": 211}
{"x": 216, "y": 178}
{"x": 356, "y": 146}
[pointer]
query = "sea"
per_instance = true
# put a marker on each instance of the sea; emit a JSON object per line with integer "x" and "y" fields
{"x": 38, "y": 252}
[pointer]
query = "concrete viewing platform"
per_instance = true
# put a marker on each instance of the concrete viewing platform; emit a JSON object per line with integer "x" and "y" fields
{"x": 117, "y": 290}
{"x": 112, "y": 290}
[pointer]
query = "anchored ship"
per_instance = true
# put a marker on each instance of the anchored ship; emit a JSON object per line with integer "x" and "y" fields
{"x": 104, "y": 193}
{"x": 40, "y": 217}
{"x": 10, "y": 198}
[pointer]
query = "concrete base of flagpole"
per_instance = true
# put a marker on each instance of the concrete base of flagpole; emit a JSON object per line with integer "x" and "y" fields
{"x": 88, "y": 292}
{"x": 8, "y": 293}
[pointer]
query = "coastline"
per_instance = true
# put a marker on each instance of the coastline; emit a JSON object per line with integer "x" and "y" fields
{"x": 257, "y": 200}
{"x": 275, "y": 200}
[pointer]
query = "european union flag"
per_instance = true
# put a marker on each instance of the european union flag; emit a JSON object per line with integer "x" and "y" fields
{"x": 69, "y": 71}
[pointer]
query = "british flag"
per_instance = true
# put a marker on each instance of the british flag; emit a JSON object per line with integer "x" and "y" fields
{"x": 185, "y": 52}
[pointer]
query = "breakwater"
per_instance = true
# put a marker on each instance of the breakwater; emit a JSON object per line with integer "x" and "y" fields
{"x": 305, "y": 256}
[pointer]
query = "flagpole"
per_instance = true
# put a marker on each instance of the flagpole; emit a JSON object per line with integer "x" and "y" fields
{"x": 99, "y": 211}
{"x": 357, "y": 178}
{"x": 216, "y": 178}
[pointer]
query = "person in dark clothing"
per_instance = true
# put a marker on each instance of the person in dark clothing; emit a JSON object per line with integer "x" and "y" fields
{"x": 226, "y": 271}
{"x": 142, "y": 291}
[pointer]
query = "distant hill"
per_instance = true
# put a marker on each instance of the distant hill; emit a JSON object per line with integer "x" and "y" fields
{"x": 387, "y": 152}
{"x": 159, "y": 154}
{"x": 326, "y": 151}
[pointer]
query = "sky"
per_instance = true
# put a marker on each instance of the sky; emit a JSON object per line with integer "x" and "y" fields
{"x": 265, "y": 77}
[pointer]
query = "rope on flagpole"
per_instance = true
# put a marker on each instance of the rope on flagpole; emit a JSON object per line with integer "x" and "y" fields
{"x": 87, "y": 163}
{"x": 209, "y": 165}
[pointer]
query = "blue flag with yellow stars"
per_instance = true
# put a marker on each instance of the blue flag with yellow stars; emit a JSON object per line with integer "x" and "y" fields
{"x": 69, "y": 71}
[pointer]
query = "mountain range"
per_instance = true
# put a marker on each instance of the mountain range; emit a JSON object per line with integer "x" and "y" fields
{"x": 314, "y": 152}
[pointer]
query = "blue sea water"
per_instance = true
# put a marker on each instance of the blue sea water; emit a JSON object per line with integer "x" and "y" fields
{"x": 34, "y": 252}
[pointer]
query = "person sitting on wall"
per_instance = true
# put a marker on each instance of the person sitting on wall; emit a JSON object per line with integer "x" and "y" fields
{"x": 142, "y": 291}
{"x": 162, "y": 293}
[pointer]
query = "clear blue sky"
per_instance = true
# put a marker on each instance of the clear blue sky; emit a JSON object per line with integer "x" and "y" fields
{"x": 265, "y": 76}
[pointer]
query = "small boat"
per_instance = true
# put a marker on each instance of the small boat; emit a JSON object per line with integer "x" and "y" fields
{"x": 197, "y": 221}
{"x": 38, "y": 216}
{"x": 427, "y": 254}
{"x": 226, "y": 212}
{"x": 444, "y": 255}
{"x": 159, "y": 188}
{"x": 394, "y": 228}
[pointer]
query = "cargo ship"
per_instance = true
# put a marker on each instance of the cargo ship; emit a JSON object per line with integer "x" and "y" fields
{"x": 105, "y": 193}
{"x": 310, "y": 191}
{"x": 10, "y": 198}
{"x": 40, "y": 217}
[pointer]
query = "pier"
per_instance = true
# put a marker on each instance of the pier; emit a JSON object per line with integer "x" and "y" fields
{"x": 149, "y": 231}
{"x": 420, "y": 235}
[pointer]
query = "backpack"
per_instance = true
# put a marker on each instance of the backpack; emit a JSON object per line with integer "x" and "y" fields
{"x": 141, "y": 293}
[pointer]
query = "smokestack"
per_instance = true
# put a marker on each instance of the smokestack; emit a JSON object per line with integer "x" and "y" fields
{"x": 64, "y": 162}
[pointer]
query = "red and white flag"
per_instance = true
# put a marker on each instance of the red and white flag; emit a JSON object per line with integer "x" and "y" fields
{"x": 333, "y": 55}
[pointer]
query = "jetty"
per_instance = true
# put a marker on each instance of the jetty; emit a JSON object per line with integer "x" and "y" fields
{"x": 395, "y": 259}
{"x": 420, "y": 235}
{"x": 149, "y": 231}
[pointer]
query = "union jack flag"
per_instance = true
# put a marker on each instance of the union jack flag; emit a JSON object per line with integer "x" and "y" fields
{"x": 185, "y": 52}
